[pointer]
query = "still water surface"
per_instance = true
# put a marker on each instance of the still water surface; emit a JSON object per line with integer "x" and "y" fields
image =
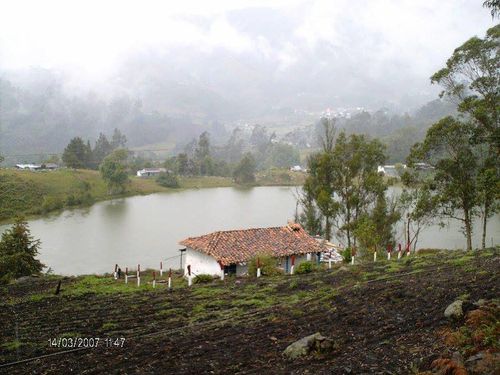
{"x": 147, "y": 229}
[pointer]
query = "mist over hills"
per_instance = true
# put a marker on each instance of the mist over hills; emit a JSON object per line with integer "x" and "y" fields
{"x": 184, "y": 72}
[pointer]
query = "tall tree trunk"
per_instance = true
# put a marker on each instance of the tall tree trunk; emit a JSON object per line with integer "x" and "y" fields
{"x": 348, "y": 226}
{"x": 328, "y": 228}
{"x": 468, "y": 230}
{"x": 485, "y": 222}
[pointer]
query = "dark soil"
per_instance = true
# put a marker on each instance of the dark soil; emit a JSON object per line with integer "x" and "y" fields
{"x": 381, "y": 322}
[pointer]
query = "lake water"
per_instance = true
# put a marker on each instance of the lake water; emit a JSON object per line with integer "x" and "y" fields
{"x": 147, "y": 229}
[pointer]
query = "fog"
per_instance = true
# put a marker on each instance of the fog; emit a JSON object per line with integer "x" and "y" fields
{"x": 234, "y": 61}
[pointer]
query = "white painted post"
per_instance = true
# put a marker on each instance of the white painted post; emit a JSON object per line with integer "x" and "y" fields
{"x": 138, "y": 275}
{"x": 161, "y": 269}
{"x": 115, "y": 274}
{"x": 388, "y": 256}
{"x": 408, "y": 249}
{"x": 190, "y": 281}
{"x": 352, "y": 260}
{"x": 170, "y": 279}
{"x": 330, "y": 262}
{"x": 126, "y": 275}
{"x": 292, "y": 267}
{"x": 399, "y": 251}
{"x": 375, "y": 256}
{"x": 154, "y": 279}
{"x": 221, "y": 270}
{"x": 258, "y": 267}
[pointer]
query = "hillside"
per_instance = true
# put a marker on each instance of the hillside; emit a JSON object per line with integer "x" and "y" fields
{"x": 383, "y": 318}
{"x": 33, "y": 194}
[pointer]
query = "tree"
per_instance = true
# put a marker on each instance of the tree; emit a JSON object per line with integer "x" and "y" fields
{"x": 102, "y": 149}
{"x": 494, "y": 6}
{"x": 114, "y": 171}
{"x": 418, "y": 205}
{"x": 202, "y": 156}
{"x": 355, "y": 179}
{"x": 118, "y": 140}
{"x": 447, "y": 146}
{"x": 310, "y": 218}
{"x": 18, "y": 251}
{"x": 472, "y": 78}
{"x": 244, "y": 173}
{"x": 77, "y": 154}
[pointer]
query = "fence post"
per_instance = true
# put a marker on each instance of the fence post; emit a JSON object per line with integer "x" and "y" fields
{"x": 161, "y": 269}
{"x": 399, "y": 251}
{"x": 389, "y": 250}
{"x": 375, "y": 255}
{"x": 154, "y": 279}
{"x": 353, "y": 255}
{"x": 115, "y": 274}
{"x": 258, "y": 267}
{"x": 138, "y": 275}
{"x": 292, "y": 267}
{"x": 170, "y": 279}
{"x": 190, "y": 281}
{"x": 126, "y": 275}
{"x": 408, "y": 249}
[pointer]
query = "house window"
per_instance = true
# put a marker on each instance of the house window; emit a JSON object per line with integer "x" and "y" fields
{"x": 230, "y": 270}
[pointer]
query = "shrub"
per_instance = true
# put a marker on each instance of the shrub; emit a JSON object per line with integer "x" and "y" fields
{"x": 268, "y": 266}
{"x": 167, "y": 180}
{"x": 346, "y": 255}
{"x": 203, "y": 279}
{"x": 305, "y": 267}
{"x": 51, "y": 203}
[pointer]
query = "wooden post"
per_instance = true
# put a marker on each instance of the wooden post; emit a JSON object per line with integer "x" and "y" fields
{"x": 389, "y": 250}
{"x": 408, "y": 249}
{"x": 154, "y": 279}
{"x": 170, "y": 279}
{"x": 330, "y": 260}
{"x": 115, "y": 274}
{"x": 375, "y": 255}
{"x": 399, "y": 251}
{"x": 138, "y": 275}
{"x": 161, "y": 269}
{"x": 258, "y": 267}
{"x": 190, "y": 281}
{"x": 126, "y": 275}
{"x": 292, "y": 267}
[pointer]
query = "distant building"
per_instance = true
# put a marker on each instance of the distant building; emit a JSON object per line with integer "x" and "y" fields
{"x": 296, "y": 168}
{"x": 389, "y": 170}
{"x": 150, "y": 172}
{"x": 30, "y": 167}
{"x": 233, "y": 249}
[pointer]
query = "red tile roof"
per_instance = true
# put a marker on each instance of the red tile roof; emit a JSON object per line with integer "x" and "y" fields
{"x": 236, "y": 246}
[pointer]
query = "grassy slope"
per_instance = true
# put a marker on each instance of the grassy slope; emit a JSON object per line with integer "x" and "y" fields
{"x": 29, "y": 193}
{"x": 393, "y": 311}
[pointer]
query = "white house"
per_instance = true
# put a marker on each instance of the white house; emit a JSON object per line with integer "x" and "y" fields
{"x": 31, "y": 167}
{"x": 150, "y": 172}
{"x": 296, "y": 168}
{"x": 232, "y": 249}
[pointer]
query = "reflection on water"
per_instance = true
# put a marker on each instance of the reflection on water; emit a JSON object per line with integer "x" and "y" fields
{"x": 147, "y": 229}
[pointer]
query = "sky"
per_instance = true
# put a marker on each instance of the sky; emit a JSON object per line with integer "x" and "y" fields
{"x": 372, "y": 40}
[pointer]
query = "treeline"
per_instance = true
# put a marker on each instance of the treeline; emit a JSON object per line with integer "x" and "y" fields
{"x": 453, "y": 174}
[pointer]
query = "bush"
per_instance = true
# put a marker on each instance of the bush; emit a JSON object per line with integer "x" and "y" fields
{"x": 168, "y": 180}
{"x": 346, "y": 255}
{"x": 305, "y": 267}
{"x": 268, "y": 266}
{"x": 203, "y": 279}
{"x": 51, "y": 203}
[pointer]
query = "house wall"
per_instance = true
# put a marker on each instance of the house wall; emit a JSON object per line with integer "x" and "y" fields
{"x": 200, "y": 263}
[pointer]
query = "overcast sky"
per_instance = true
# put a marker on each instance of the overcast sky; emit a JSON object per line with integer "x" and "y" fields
{"x": 388, "y": 38}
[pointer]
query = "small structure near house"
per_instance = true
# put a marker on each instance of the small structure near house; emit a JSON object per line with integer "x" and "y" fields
{"x": 232, "y": 249}
{"x": 150, "y": 172}
{"x": 296, "y": 168}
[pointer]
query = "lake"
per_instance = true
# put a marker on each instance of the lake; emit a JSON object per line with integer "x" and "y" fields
{"x": 147, "y": 229}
